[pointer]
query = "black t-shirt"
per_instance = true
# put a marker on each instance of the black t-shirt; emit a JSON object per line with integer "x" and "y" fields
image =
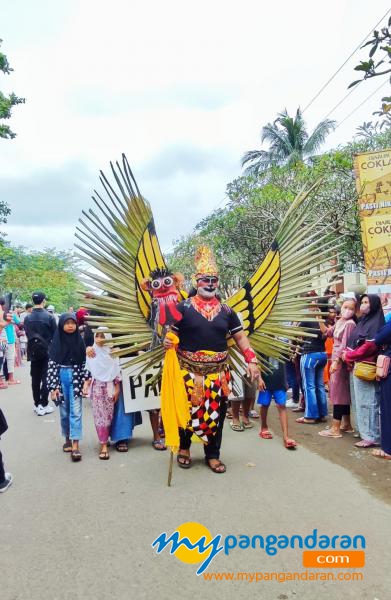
{"x": 276, "y": 380}
{"x": 197, "y": 333}
{"x": 313, "y": 344}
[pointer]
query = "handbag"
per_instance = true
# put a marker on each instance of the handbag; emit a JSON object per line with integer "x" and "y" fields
{"x": 365, "y": 370}
{"x": 3, "y": 423}
{"x": 382, "y": 366}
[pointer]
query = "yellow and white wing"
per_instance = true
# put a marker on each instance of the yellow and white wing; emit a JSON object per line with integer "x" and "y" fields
{"x": 274, "y": 297}
{"x": 119, "y": 246}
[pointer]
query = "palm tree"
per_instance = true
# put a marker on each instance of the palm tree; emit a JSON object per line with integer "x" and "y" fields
{"x": 290, "y": 144}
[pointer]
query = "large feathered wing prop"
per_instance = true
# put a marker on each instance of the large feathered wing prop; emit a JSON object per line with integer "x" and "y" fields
{"x": 272, "y": 300}
{"x": 119, "y": 246}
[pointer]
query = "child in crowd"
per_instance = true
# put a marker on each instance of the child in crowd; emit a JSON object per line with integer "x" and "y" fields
{"x": 103, "y": 387}
{"x": 66, "y": 372}
{"x": 276, "y": 387}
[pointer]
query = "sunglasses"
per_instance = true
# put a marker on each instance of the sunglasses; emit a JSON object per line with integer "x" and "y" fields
{"x": 209, "y": 280}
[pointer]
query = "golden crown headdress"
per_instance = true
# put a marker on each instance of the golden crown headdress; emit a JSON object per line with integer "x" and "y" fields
{"x": 205, "y": 262}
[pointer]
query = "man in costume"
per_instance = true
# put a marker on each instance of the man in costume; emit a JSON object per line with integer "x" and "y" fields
{"x": 203, "y": 331}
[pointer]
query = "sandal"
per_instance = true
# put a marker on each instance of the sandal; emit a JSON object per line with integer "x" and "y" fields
{"x": 219, "y": 468}
{"x": 265, "y": 434}
{"x": 305, "y": 421}
{"x": 290, "y": 444}
{"x": 104, "y": 455}
{"x": 67, "y": 447}
{"x": 159, "y": 445}
{"x": 183, "y": 461}
{"x": 328, "y": 433}
{"x": 236, "y": 426}
{"x": 248, "y": 425}
{"x": 346, "y": 430}
{"x": 75, "y": 455}
{"x": 253, "y": 414}
{"x": 16, "y": 382}
{"x": 121, "y": 446}
{"x": 365, "y": 444}
{"x": 379, "y": 453}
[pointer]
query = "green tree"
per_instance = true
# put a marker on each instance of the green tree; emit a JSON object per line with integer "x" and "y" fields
{"x": 378, "y": 64}
{"x": 241, "y": 232}
{"x": 7, "y": 102}
{"x": 289, "y": 143}
{"x": 52, "y": 271}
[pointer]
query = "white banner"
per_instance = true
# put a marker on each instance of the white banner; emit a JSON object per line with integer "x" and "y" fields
{"x": 139, "y": 394}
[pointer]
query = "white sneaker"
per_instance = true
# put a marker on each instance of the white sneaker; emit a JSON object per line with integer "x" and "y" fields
{"x": 48, "y": 409}
{"x": 291, "y": 404}
{"x": 40, "y": 411}
{"x": 8, "y": 481}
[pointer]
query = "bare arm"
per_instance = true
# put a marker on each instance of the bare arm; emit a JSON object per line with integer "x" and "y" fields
{"x": 253, "y": 371}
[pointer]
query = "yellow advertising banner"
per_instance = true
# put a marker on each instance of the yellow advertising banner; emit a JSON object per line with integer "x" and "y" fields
{"x": 373, "y": 181}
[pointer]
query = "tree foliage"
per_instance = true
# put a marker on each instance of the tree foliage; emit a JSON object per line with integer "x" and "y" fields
{"x": 378, "y": 64}
{"x": 289, "y": 143}
{"x": 242, "y": 231}
{"x": 52, "y": 271}
{"x": 7, "y": 102}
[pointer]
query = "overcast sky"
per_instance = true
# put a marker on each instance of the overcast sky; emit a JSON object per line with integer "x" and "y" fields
{"x": 183, "y": 88}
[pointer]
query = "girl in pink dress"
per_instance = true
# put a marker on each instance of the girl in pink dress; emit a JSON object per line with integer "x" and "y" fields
{"x": 103, "y": 387}
{"x": 339, "y": 384}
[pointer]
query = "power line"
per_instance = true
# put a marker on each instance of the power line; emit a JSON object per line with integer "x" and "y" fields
{"x": 361, "y": 103}
{"x": 353, "y": 89}
{"x": 343, "y": 64}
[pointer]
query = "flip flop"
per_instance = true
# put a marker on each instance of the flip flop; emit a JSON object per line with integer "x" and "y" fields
{"x": 290, "y": 444}
{"x": 216, "y": 468}
{"x": 75, "y": 456}
{"x": 104, "y": 456}
{"x": 159, "y": 445}
{"x": 328, "y": 433}
{"x": 236, "y": 427}
{"x": 185, "y": 463}
{"x": 350, "y": 430}
{"x": 121, "y": 447}
{"x": 265, "y": 434}
{"x": 253, "y": 414}
{"x": 365, "y": 444}
{"x": 67, "y": 447}
{"x": 305, "y": 421}
{"x": 248, "y": 425}
{"x": 379, "y": 453}
{"x": 16, "y": 382}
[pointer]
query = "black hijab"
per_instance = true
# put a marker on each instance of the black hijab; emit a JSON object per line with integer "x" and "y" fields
{"x": 368, "y": 325}
{"x": 67, "y": 349}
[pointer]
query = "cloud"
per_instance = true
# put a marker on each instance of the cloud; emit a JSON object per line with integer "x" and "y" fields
{"x": 47, "y": 197}
{"x": 187, "y": 159}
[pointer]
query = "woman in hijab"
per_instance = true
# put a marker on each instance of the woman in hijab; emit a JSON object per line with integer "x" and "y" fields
{"x": 103, "y": 387}
{"x": 339, "y": 374}
{"x": 361, "y": 347}
{"x": 66, "y": 376}
{"x": 84, "y": 329}
{"x": 383, "y": 340}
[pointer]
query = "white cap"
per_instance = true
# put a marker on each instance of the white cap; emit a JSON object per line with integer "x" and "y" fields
{"x": 50, "y": 308}
{"x": 348, "y": 296}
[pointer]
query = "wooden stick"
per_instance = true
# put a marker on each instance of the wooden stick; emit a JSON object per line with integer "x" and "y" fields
{"x": 170, "y": 468}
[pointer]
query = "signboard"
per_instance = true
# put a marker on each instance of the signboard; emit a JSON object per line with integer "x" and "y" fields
{"x": 373, "y": 182}
{"x": 139, "y": 394}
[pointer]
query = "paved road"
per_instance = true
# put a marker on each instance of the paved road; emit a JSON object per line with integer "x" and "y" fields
{"x": 84, "y": 531}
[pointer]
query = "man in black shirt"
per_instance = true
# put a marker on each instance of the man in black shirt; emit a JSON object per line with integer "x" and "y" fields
{"x": 312, "y": 363}
{"x": 203, "y": 331}
{"x": 39, "y": 326}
